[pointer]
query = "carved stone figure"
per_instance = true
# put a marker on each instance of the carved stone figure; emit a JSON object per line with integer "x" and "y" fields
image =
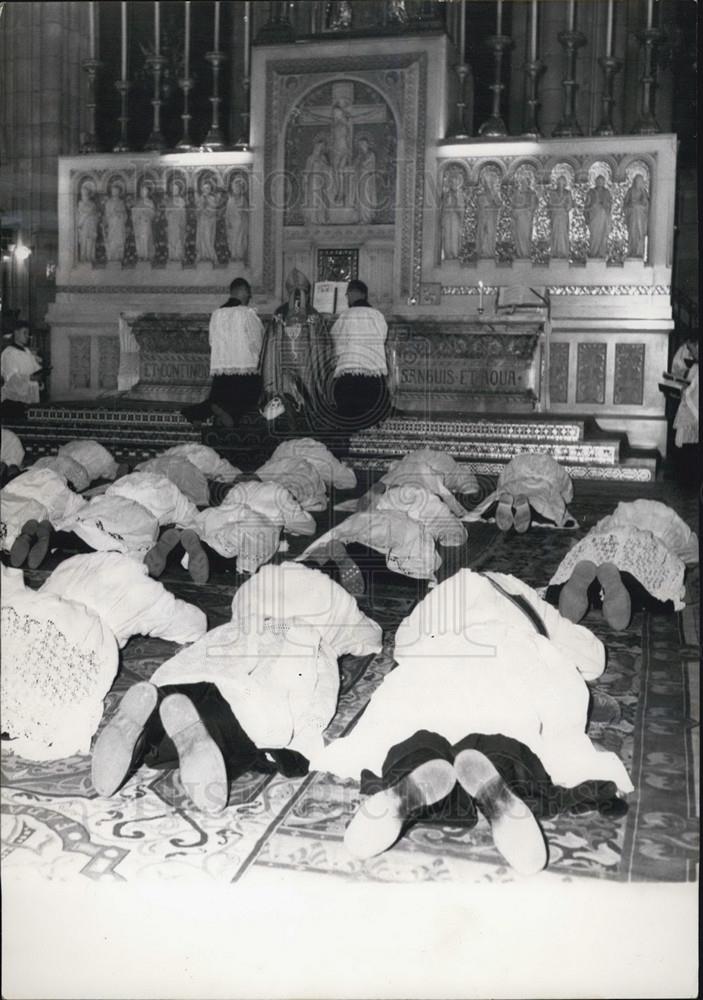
{"x": 487, "y": 209}
{"x": 208, "y": 205}
{"x": 87, "y": 224}
{"x": 636, "y": 207}
{"x": 524, "y": 205}
{"x": 452, "y": 213}
{"x": 175, "y": 210}
{"x": 237, "y": 218}
{"x": 366, "y": 180}
{"x": 560, "y": 204}
{"x": 115, "y": 223}
{"x": 598, "y": 208}
{"x": 317, "y": 182}
{"x": 143, "y": 213}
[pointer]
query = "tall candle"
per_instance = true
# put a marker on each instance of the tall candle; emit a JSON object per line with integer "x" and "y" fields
{"x": 157, "y": 28}
{"x": 650, "y": 13}
{"x": 247, "y": 36}
{"x": 462, "y": 30}
{"x": 186, "y": 54}
{"x": 533, "y": 36}
{"x": 480, "y": 296}
{"x": 609, "y": 31}
{"x": 124, "y": 39}
{"x": 91, "y": 26}
{"x": 216, "y": 44}
{"x": 572, "y": 15}
{"x": 499, "y": 17}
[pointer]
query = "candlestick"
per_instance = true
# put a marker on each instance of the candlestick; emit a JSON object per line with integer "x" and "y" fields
{"x": 650, "y": 13}
{"x": 499, "y": 17}
{"x": 214, "y": 139}
{"x": 156, "y": 140}
{"x": 495, "y": 126}
{"x": 90, "y": 144}
{"x": 247, "y": 37}
{"x": 157, "y": 28}
{"x": 533, "y": 33}
{"x": 462, "y": 30}
{"x": 216, "y": 43}
{"x": 123, "y": 74}
{"x": 609, "y": 31}
{"x": 122, "y": 144}
{"x": 647, "y": 123}
{"x": 91, "y": 27}
{"x": 571, "y": 19}
{"x": 610, "y": 67}
{"x": 480, "y": 297}
{"x": 533, "y": 70}
{"x": 186, "y": 54}
{"x": 569, "y": 126}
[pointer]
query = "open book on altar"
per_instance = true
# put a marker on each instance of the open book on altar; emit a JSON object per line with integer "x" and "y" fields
{"x": 328, "y": 297}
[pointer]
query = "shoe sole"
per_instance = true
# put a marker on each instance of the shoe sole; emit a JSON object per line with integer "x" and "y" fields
{"x": 113, "y": 753}
{"x": 202, "y": 767}
{"x": 617, "y": 606}
{"x": 198, "y": 562}
{"x": 38, "y": 551}
{"x": 20, "y": 550}
{"x": 573, "y": 599}
{"x": 157, "y": 557}
{"x": 504, "y": 512}
{"x": 379, "y": 821}
{"x": 522, "y": 517}
{"x": 516, "y": 833}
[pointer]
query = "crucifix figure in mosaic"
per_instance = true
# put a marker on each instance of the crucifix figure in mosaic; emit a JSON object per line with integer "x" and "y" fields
{"x": 341, "y": 182}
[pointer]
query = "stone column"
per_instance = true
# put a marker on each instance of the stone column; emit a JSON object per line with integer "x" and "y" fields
{"x": 42, "y": 46}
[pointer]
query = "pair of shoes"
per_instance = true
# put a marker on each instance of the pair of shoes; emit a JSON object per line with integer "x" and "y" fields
{"x": 573, "y": 599}
{"x": 31, "y": 545}
{"x": 202, "y": 767}
{"x": 513, "y": 513}
{"x": 380, "y": 819}
{"x": 198, "y": 563}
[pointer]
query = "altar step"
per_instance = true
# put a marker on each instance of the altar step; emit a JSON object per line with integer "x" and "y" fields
{"x": 488, "y": 445}
{"x": 130, "y": 434}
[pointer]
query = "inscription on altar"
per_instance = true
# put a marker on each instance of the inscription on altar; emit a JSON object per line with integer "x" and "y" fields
{"x": 484, "y": 370}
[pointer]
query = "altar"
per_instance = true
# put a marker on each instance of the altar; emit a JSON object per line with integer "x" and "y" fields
{"x": 348, "y": 174}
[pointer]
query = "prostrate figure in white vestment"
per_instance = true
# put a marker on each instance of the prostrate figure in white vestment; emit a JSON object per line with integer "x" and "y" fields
{"x": 61, "y": 646}
{"x": 488, "y": 708}
{"x": 634, "y": 558}
{"x": 254, "y": 694}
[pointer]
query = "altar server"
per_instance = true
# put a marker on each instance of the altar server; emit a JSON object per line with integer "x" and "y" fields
{"x": 236, "y": 340}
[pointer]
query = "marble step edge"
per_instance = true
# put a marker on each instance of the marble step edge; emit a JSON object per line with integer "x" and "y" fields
{"x": 605, "y": 452}
{"x": 489, "y": 430}
{"x": 643, "y": 471}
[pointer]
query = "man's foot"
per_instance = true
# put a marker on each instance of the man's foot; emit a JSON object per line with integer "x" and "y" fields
{"x": 202, "y": 767}
{"x": 23, "y": 543}
{"x": 617, "y": 607}
{"x": 198, "y": 563}
{"x": 157, "y": 557}
{"x": 504, "y": 512}
{"x": 516, "y": 832}
{"x": 380, "y": 818}
{"x": 604, "y": 708}
{"x": 115, "y": 747}
{"x": 522, "y": 516}
{"x": 40, "y": 547}
{"x": 573, "y": 599}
